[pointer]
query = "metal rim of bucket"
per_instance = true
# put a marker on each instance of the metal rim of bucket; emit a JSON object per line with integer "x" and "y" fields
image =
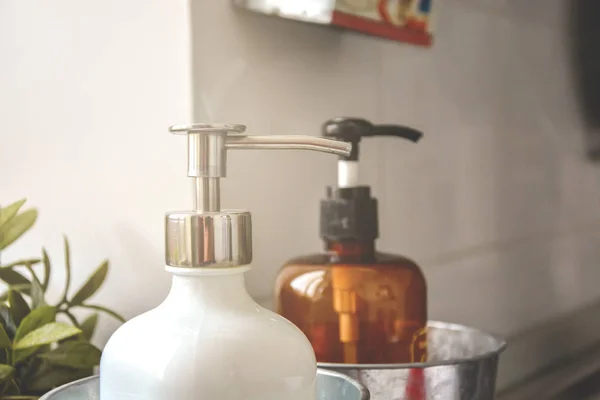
{"x": 78, "y": 382}
{"x": 500, "y": 346}
{"x": 364, "y": 393}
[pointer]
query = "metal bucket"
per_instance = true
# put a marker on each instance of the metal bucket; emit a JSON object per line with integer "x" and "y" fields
{"x": 462, "y": 365}
{"x": 330, "y": 386}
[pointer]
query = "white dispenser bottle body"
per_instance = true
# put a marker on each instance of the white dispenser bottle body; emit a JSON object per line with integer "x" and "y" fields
{"x": 208, "y": 340}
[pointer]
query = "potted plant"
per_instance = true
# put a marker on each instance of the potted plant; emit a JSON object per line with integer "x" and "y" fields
{"x": 43, "y": 345}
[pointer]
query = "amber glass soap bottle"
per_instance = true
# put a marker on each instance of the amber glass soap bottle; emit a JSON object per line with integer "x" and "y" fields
{"x": 356, "y": 305}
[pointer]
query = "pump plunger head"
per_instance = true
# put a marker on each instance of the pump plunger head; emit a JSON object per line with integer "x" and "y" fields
{"x": 208, "y": 236}
{"x": 352, "y": 130}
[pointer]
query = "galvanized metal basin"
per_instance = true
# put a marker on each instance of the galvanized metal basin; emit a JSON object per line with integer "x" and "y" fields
{"x": 330, "y": 386}
{"x": 462, "y": 365}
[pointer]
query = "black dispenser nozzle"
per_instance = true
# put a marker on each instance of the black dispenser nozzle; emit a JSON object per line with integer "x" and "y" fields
{"x": 352, "y": 130}
{"x": 350, "y": 212}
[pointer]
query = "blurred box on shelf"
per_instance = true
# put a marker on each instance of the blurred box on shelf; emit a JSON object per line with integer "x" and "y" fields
{"x": 399, "y": 20}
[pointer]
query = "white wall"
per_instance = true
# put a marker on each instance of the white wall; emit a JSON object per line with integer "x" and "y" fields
{"x": 88, "y": 90}
{"x": 482, "y": 201}
{"x": 497, "y": 202}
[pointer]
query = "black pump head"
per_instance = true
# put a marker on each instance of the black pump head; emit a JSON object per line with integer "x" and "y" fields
{"x": 352, "y": 130}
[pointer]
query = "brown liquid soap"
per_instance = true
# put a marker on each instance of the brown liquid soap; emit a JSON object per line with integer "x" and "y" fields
{"x": 356, "y": 305}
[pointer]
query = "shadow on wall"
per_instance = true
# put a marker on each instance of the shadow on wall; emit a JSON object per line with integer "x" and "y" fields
{"x": 585, "y": 46}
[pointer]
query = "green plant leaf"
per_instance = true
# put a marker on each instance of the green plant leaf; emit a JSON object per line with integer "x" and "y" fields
{"x": 28, "y": 368}
{"x": 31, "y": 369}
{"x": 19, "y": 263}
{"x": 74, "y": 354}
{"x": 22, "y": 356}
{"x": 91, "y": 285}
{"x": 18, "y": 306}
{"x": 89, "y": 326}
{"x": 11, "y": 390}
{"x": 7, "y": 321}
{"x": 36, "y": 292}
{"x": 49, "y": 333}
{"x": 6, "y": 213}
{"x": 25, "y": 288}
{"x": 6, "y": 371}
{"x": 53, "y": 376}
{"x": 16, "y": 226}
{"x": 5, "y": 356}
{"x": 104, "y": 310}
{"x": 67, "y": 270}
{"x": 19, "y": 397}
{"x": 35, "y": 319}
{"x": 5, "y": 341}
{"x": 12, "y": 277}
{"x": 47, "y": 270}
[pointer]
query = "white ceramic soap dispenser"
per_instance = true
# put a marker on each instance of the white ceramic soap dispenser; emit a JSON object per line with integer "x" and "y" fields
{"x": 209, "y": 340}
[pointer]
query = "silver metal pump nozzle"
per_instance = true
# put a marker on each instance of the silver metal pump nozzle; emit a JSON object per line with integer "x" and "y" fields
{"x": 209, "y": 236}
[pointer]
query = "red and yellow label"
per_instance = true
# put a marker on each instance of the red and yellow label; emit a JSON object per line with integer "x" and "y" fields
{"x": 400, "y": 20}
